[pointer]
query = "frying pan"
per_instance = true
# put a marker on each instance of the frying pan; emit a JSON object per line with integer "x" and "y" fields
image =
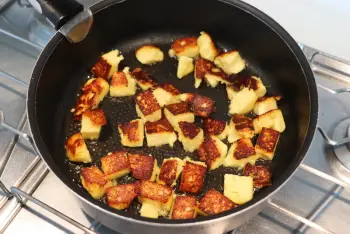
{"x": 63, "y": 68}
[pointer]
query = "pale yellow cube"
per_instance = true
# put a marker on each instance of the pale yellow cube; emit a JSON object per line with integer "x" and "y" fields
{"x": 185, "y": 66}
{"x": 91, "y": 124}
{"x": 272, "y": 119}
{"x": 166, "y": 94}
{"x": 113, "y": 58}
{"x": 231, "y": 62}
{"x": 76, "y": 149}
{"x": 266, "y": 104}
{"x": 238, "y": 189}
{"x": 122, "y": 84}
{"x": 207, "y": 48}
{"x": 243, "y": 101}
{"x": 149, "y": 54}
{"x": 149, "y": 210}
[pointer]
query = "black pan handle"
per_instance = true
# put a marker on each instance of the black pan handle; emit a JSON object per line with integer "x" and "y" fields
{"x": 67, "y": 16}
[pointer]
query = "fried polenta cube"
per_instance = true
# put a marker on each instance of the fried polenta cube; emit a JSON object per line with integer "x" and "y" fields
{"x": 207, "y": 48}
{"x": 271, "y": 119}
{"x": 186, "y": 46}
{"x": 249, "y": 82}
{"x": 120, "y": 197}
{"x": 266, "y": 104}
{"x": 184, "y": 207}
{"x": 131, "y": 133}
{"x": 94, "y": 181}
{"x": 184, "y": 67}
{"x": 149, "y": 210}
{"x": 143, "y": 167}
{"x": 215, "y": 127}
{"x": 147, "y": 107}
{"x": 240, "y": 127}
{"x": 190, "y": 135}
{"x": 231, "y": 62}
{"x": 160, "y": 132}
{"x": 214, "y": 202}
{"x": 266, "y": 143}
{"x": 92, "y": 94}
{"x": 178, "y": 112}
{"x": 166, "y": 94}
{"x": 149, "y": 54}
{"x": 122, "y": 84}
{"x": 170, "y": 171}
{"x": 205, "y": 69}
{"x": 240, "y": 153}
{"x": 91, "y": 123}
{"x": 77, "y": 150}
{"x": 107, "y": 64}
{"x": 143, "y": 79}
{"x": 115, "y": 165}
{"x": 261, "y": 175}
{"x": 192, "y": 176}
{"x": 243, "y": 101}
{"x": 201, "y": 105}
{"x": 238, "y": 189}
{"x": 160, "y": 196}
{"x": 212, "y": 151}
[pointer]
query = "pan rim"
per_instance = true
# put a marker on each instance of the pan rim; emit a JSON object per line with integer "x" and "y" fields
{"x": 313, "y": 98}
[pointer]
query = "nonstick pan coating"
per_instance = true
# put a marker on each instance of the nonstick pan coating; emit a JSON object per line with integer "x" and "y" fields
{"x": 67, "y": 68}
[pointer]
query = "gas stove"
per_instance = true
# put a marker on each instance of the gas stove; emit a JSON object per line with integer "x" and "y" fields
{"x": 33, "y": 200}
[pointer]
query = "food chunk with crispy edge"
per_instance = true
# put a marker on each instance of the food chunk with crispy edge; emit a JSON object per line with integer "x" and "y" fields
{"x": 272, "y": 119}
{"x": 205, "y": 69}
{"x": 160, "y": 196}
{"x": 92, "y": 94}
{"x": 143, "y": 79}
{"x": 215, "y": 127}
{"x": 147, "y": 107}
{"x": 192, "y": 176}
{"x": 143, "y": 167}
{"x": 240, "y": 126}
{"x": 107, "y": 64}
{"x": 243, "y": 101}
{"x": 120, "y": 197}
{"x": 266, "y": 104}
{"x": 131, "y": 133}
{"x": 212, "y": 151}
{"x": 94, "y": 181}
{"x": 238, "y": 189}
{"x": 266, "y": 143}
{"x": 166, "y": 94}
{"x": 185, "y": 46}
{"x": 261, "y": 175}
{"x": 201, "y": 105}
{"x": 76, "y": 149}
{"x": 184, "y": 207}
{"x": 149, "y": 54}
{"x": 207, "y": 48}
{"x": 170, "y": 171}
{"x": 91, "y": 124}
{"x": 160, "y": 132}
{"x": 231, "y": 62}
{"x": 122, "y": 84}
{"x": 178, "y": 112}
{"x": 241, "y": 82}
{"x": 240, "y": 153}
{"x": 115, "y": 165}
{"x": 190, "y": 135}
{"x": 214, "y": 202}
{"x": 184, "y": 67}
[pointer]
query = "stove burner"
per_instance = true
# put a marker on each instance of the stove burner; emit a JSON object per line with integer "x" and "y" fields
{"x": 343, "y": 151}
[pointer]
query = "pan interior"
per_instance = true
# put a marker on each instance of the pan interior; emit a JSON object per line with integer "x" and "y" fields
{"x": 126, "y": 28}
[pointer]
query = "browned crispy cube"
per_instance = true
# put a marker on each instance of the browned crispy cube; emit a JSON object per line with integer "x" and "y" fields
{"x": 160, "y": 132}
{"x": 215, "y": 127}
{"x": 147, "y": 107}
{"x": 213, "y": 202}
{"x": 166, "y": 94}
{"x": 178, "y": 112}
{"x": 101, "y": 68}
{"x": 77, "y": 150}
{"x": 205, "y": 69}
{"x": 212, "y": 151}
{"x": 186, "y": 46}
{"x": 201, "y": 105}
{"x": 143, "y": 167}
{"x": 131, "y": 133}
{"x": 184, "y": 207}
{"x": 190, "y": 135}
{"x": 240, "y": 127}
{"x": 240, "y": 153}
{"x": 143, "y": 79}
{"x": 170, "y": 171}
{"x": 94, "y": 181}
{"x": 107, "y": 64}
{"x": 115, "y": 165}
{"x": 192, "y": 177}
{"x": 119, "y": 197}
{"x": 91, "y": 123}
{"x": 267, "y": 142}
{"x": 261, "y": 175}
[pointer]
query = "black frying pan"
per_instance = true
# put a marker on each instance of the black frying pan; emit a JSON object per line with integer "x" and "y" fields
{"x": 63, "y": 68}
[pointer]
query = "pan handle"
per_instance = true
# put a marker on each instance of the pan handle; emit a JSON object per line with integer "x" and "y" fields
{"x": 67, "y": 16}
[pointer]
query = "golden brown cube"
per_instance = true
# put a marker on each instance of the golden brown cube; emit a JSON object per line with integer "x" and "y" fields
{"x": 190, "y": 135}
{"x": 115, "y": 165}
{"x": 166, "y": 94}
{"x": 91, "y": 124}
{"x": 94, "y": 181}
{"x": 250, "y": 82}
{"x": 143, "y": 79}
{"x": 169, "y": 171}
{"x": 212, "y": 151}
{"x": 192, "y": 177}
{"x": 207, "y": 48}
{"x": 76, "y": 149}
{"x": 214, "y": 202}
{"x": 184, "y": 207}
{"x": 240, "y": 153}
{"x": 272, "y": 119}
{"x": 231, "y": 62}
{"x": 160, "y": 132}
{"x": 266, "y": 104}
{"x": 147, "y": 107}
{"x": 215, "y": 127}
{"x": 122, "y": 84}
{"x": 107, "y": 64}
{"x": 267, "y": 142}
{"x": 143, "y": 167}
{"x": 186, "y": 46}
{"x": 131, "y": 133}
{"x": 205, "y": 69}
{"x": 261, "y": 175}
{"x": 240, "y": 127}
{"x": 149, "y": 54}
{"x": 178, "y": 112}
{"x": 201, "y": 105}
{"x": 119, "y": 197}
